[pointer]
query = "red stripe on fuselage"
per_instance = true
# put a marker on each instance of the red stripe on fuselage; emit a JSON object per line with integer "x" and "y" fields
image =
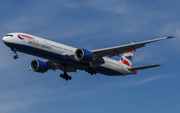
{"x": 26, "y": 36}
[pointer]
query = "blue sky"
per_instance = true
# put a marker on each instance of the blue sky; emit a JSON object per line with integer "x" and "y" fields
{"x": 92, "y": 25}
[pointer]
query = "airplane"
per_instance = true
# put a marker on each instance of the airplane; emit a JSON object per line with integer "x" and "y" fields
{"x": 71, "y": 59}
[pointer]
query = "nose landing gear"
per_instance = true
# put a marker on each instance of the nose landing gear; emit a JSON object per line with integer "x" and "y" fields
{"x": 16, "y": 56}
{"x": 15, "y": 52}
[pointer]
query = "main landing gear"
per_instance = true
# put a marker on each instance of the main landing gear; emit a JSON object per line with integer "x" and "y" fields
{"x": 65, "y": 76}
{"x": 15, "y": 52}
{"x": 91, "y": 71}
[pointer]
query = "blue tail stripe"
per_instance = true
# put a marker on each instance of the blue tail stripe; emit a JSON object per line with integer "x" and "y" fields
{"x": 129, "y": 57}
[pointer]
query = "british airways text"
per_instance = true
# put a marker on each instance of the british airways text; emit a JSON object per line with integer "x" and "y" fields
{"x": 39, "y": 45}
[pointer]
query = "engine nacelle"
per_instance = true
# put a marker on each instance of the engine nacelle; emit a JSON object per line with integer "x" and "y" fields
{"x": 38, "y": 66}
{"x": 83, "y": 55}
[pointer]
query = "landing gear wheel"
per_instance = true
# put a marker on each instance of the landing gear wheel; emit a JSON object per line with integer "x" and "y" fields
{"x": 65, "y": 76}
{"x": 16, "y": 56}
{"x": 91, "y": 71}
{"x": 70, "y": 78}
{"x": 61, "y": 75}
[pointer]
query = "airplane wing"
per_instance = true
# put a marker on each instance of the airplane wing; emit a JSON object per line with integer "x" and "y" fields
{"x": 115, "y": 51}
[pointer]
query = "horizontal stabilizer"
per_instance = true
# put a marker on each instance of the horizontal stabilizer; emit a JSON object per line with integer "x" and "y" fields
{"x": 143, "y": 67}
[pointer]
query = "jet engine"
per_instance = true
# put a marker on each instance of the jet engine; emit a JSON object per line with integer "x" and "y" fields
{"x": 38, "y": 66}
{"x": 83, "y": 55}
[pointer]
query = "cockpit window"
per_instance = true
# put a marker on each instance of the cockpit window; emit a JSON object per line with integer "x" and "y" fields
{"x": 10, "y": 35}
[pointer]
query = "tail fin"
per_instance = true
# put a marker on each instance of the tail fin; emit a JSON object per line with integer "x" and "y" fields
{"x": 127, "y": 58}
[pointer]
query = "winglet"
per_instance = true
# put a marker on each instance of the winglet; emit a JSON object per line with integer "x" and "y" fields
{"x": 170, "y": 36}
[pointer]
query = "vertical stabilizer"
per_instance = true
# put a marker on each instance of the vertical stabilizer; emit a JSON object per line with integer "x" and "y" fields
{"x": 127, "y": 58}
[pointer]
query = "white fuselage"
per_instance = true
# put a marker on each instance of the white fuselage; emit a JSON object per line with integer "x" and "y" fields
{"x": 58, "y": 52}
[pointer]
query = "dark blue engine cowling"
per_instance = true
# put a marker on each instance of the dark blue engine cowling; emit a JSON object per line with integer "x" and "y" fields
{"x": 38, "y": 66}
{"x": 83, "y": 55}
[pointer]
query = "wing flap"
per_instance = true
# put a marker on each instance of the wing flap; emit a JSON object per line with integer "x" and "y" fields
{"x": 143, "y": 67}
{"x": 53, "y": 65}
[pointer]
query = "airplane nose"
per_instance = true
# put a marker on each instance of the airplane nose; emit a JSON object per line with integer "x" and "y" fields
{"x": 4, "y": 39}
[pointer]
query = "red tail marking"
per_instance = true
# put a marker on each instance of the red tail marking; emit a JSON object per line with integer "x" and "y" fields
{"x": 125, "y": 62}
{"x": 132, "y": 51}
